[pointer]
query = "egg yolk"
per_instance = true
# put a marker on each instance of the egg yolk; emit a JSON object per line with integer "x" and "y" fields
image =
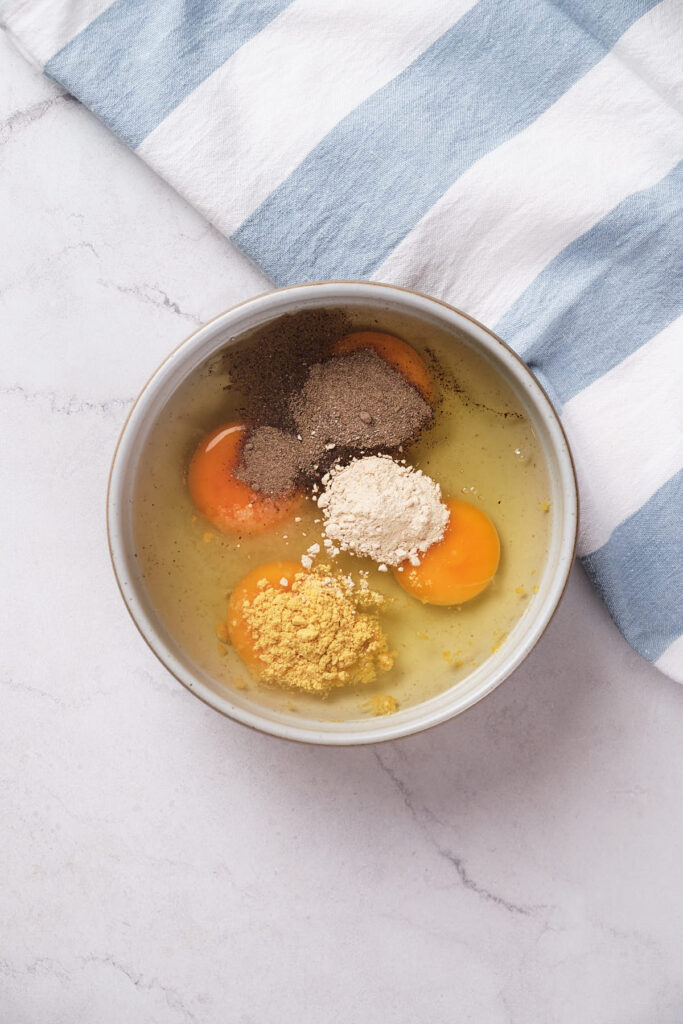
{"x": 228, "y": 503}
{"x": 394, "y": 351}
{"x": 279, "y": 575}
{"x": 460, "y": 565}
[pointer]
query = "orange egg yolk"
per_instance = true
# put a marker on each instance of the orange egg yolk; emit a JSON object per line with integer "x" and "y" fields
{"x": 229, "y": 504}
{"x": 459, "y": 566}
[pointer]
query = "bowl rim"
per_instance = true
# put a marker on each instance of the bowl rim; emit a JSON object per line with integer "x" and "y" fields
{"x": 385, "y": 729}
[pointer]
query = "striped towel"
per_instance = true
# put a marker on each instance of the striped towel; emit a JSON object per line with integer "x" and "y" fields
{"x": 518, "y": 158}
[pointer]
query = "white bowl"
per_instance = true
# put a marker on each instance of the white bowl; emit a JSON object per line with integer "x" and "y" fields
{"x": 214, "y": 336}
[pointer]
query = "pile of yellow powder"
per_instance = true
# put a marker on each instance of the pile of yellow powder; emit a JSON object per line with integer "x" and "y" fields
{"x": 322, "y": 633}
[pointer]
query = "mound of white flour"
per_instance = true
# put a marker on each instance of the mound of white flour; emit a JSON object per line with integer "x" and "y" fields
{"x": 376, "y": 507}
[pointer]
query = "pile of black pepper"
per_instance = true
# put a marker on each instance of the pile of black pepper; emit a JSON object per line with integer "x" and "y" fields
{"x": 308, "y": 408}
{"x": 271, "y": 363}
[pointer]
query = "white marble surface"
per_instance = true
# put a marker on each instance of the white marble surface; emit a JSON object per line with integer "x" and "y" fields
{"x": 519, "y": 865}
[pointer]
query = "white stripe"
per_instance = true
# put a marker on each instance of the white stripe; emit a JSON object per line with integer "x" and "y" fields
{"x": 626, "y": 432}
{"x": 671, "y": 662}
{"x": 513, "y": 211}
{"x": 280, "y": 94}
{"x": 648, "y": 52}
{"x": 45, "y": 26}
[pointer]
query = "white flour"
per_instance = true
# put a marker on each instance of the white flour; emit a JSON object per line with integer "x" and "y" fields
{"x": 376, "y": 507}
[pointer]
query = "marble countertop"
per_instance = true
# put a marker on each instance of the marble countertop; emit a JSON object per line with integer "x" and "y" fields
{"x": 518, "y": 865}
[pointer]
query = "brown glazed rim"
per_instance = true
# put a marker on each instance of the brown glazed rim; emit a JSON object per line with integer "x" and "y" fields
{"x": 389, "y": 287}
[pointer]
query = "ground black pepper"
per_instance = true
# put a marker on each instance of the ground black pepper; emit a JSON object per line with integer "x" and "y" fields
{"x": 270, "y": 460}
{"x": 347, "y": 404}
{"x": 266, "y": 367}
{"x": 358, "y": 401}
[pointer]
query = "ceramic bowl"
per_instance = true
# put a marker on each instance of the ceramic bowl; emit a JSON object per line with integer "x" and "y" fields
{"x": 216, "y": 335}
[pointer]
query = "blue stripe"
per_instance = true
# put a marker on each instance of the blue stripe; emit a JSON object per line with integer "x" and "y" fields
{"x": 606, "y": 294}
{"x": 639, "y": 572}
{"x": 139, "y": 59}
{"x": 362, "y": 189}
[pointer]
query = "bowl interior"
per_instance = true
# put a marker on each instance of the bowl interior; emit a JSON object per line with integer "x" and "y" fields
{"x": 385, "y": 302}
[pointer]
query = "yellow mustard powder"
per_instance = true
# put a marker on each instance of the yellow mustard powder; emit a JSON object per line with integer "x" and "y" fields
{"x": 321, "y": 633}
{"x": 382, "y": 704}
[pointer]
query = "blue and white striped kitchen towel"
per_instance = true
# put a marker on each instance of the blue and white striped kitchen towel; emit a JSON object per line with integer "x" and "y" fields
{"x": 519, "y": 158}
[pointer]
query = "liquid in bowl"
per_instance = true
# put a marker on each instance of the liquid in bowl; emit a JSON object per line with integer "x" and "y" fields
{"x": 482, "y": 448}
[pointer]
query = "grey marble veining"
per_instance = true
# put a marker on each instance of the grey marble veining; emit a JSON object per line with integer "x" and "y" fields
{"x": 519, "y": 865}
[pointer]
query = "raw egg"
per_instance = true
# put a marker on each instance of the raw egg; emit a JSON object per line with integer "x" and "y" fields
{"x": 459, "y": 566}
{"x": 229, "y": 504}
